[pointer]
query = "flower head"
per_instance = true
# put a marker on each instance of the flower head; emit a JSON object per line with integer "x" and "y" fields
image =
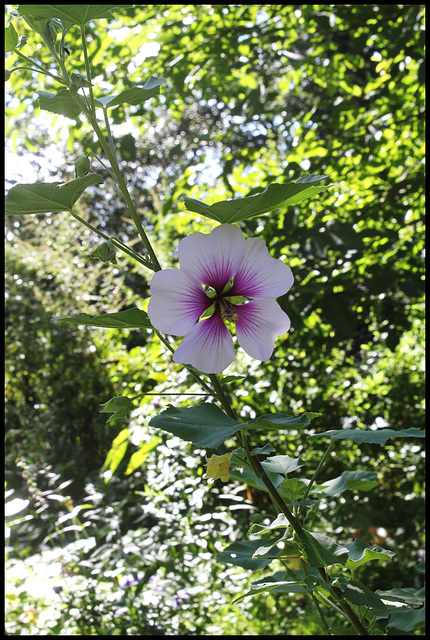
{"x": 218, "y": 467}
{"x": 223, "y": 278}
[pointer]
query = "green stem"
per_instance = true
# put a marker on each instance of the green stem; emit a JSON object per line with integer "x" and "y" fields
{"x": 123, "y": 188}
{"x": 109, "y": 134}
{"x": 88, "y": 70}
{"x": 121, "y": 246}
{"x": 39, "y": 68}
{"x": 141, "y": 395}
{"x": 279, "y": 502}
{"x": 221, "y": 396}
{"x": 195, "y": 375}
{"x": 118, "y": 175}
{"x": 316, "y": 473}
{"x": 91, "y": 153}
{"x": 320, "y": 614}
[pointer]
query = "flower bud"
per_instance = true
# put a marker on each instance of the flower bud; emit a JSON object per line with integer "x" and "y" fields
{"x": 119, "y": 406}
{"x": 50, "y": 33}
{"x": 105, "y": 252}
{"x": 82, "y": 166}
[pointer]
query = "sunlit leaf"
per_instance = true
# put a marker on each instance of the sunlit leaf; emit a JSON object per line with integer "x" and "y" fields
{"x": 281, "y": 421}
{"x": 282, "y": 464}
{"x": 242, "y": 555}
{"x": 375, "y": 437}
{"x": 280, "y": 522}
{"x": 361, "y": 480}
{"x": 139, "y": 457}
{"x": 131, "y": 319}
{"x": 360, "y": 552}
{"x": 117, "y": 452}
{"x": 10, "y": 38}
{"x": 362, "y": 596}
{"x": 204, "y": 425}
{"x": 75, "y": 13}
{"x": 407, "y": 595}
{"x": 134, "y": 95}
{"x": 273, "y": 197}
{"x": 53, "y": 197}
{"x": 324, "y": 551}
{"x": 62, "y": 103}
{"x": 288, "y": 586}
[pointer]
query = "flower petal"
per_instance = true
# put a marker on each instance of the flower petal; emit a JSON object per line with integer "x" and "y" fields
{"x": 177, "y": 302}
{"x": 259, "y": 324}
{"x": 208, "y": 346}
{"x": 259, "y": 274}
{"x": 213, "y": 258}
{"x": 218, "y": 467}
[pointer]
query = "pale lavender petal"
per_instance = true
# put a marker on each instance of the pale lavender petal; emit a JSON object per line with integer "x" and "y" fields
{"x": 208, "y": 346}
{"x": 259, "y": 274}
{"x": 259, "y": 324}
{"x": 213, "y": 258}
{"x": 177, "y": 302}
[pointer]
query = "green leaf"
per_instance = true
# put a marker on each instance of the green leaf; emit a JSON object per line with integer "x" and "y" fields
{"x": 293, "y": 490}
{"x": 362, "y": 480}
{"x": 360, "y": 552}
{"x": 230, "y": 379}
{"x": 280, "y": 421}
{"x": 263, "y": 451}
{"x": 323, "y": 551}
{"x": 361, "y": 596}
{"x": 131, "y": 319}
{"x": 117, "y": 452}
{"x": 62, "y": 103}
{"x": 10, "y": 38}
{"x": 139, "y": 457}
{"x": 134, "y": 96}
{"x": 282, "y": 464}
{"x": 76, "y": 14}
{"x": 204, "y": 425}
{"x": 374, "y": 437}
{"x": 287, "y": 549}
{"x": 405, "y": 595}
{"x": 242, "y": 555}
{"x": 273, "y": 197}
{"x": 245, "y": 475}
{"x": 280, "y": 522}
{"x": 53, "y": 197}
{"x": 288, "y": 586}
{"x": 407, "y": 619}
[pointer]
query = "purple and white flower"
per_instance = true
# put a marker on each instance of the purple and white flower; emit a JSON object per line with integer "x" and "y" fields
{"x": 222, "y": 278}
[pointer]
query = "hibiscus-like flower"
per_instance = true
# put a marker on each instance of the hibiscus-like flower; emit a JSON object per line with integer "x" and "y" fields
{"x": 222, "y": 278}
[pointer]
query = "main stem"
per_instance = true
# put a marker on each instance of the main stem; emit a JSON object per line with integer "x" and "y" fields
{"x": 90, "y": 113}
{"x": 259, "y": 471}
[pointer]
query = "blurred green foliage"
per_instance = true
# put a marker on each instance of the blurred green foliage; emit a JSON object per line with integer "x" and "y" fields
{"x": 254, "y": 94}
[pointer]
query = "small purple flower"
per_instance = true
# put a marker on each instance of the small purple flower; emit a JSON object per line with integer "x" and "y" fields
{"x": 181, "y": 594}
{"x": 127, "y": 580}
{"x": 224, "y": 278}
